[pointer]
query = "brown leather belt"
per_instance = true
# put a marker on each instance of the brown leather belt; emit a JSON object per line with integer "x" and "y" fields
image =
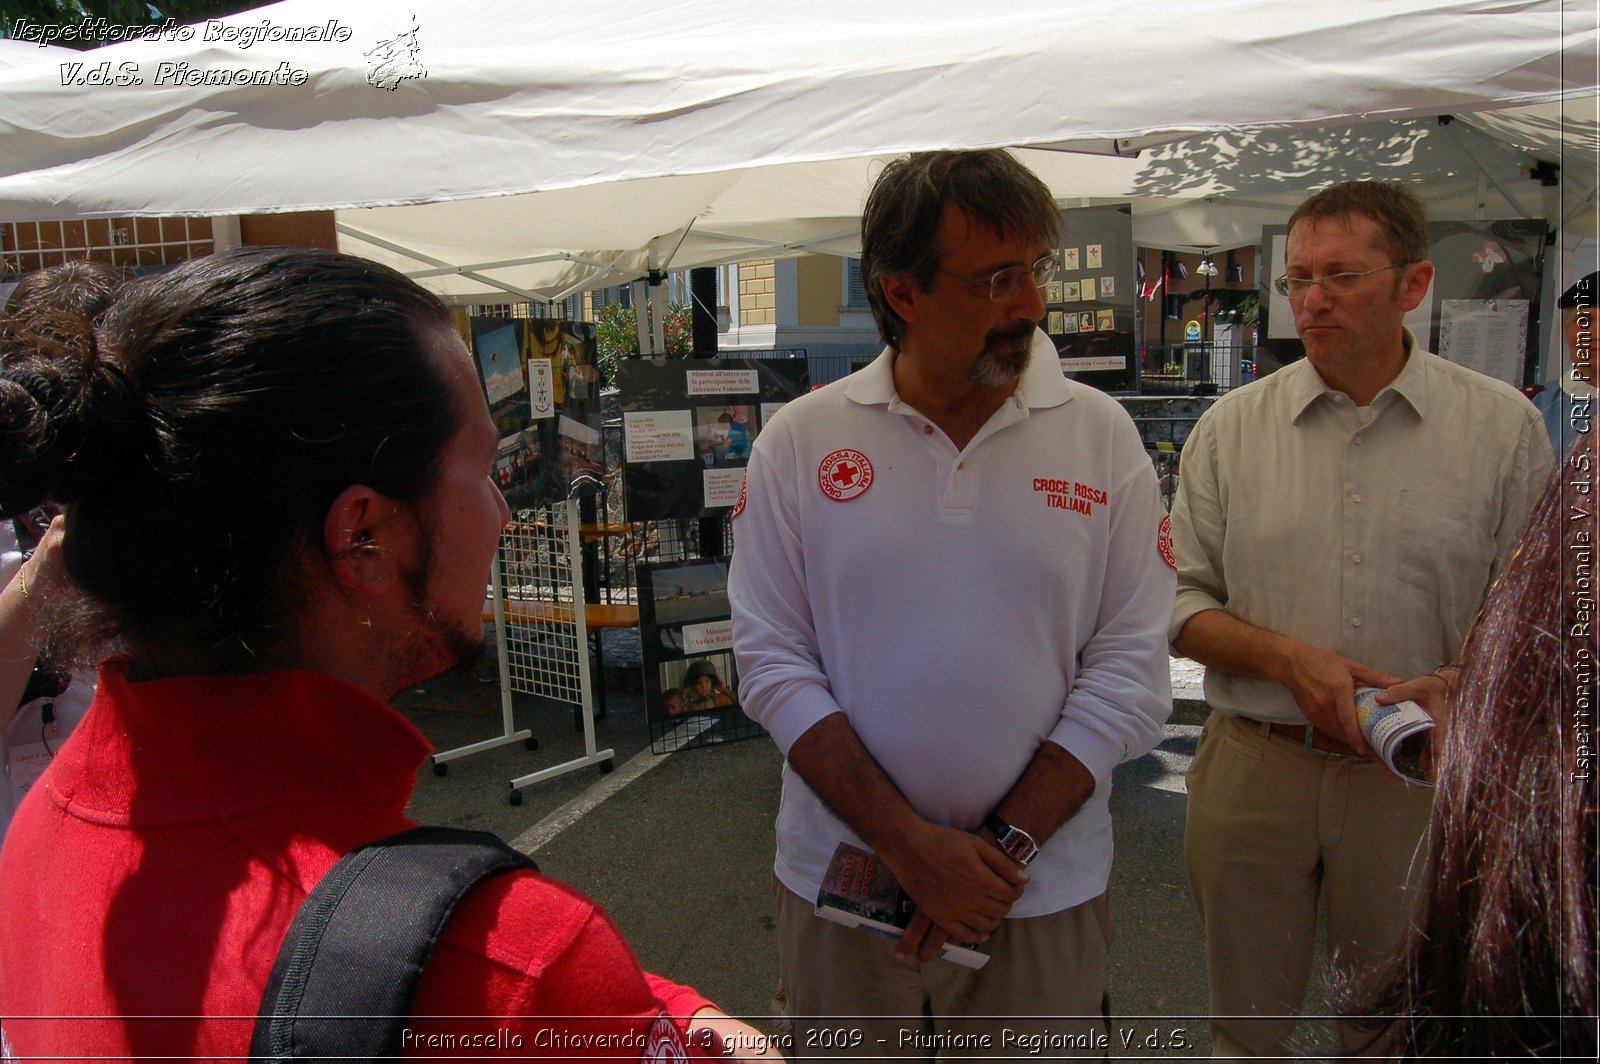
{"x": 1312, "y": 739}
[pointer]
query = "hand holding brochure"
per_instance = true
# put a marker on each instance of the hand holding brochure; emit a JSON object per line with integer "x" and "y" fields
{"x": 859, "y": 891}
{"x": 1398, "y": 734}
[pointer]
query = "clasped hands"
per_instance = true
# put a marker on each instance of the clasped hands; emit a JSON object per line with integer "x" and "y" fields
{"x": 963, "y": 885}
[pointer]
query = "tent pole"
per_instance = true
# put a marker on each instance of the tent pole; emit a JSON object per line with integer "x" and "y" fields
{"x": 658, "y": 309}
{"x": 640, "y": 321}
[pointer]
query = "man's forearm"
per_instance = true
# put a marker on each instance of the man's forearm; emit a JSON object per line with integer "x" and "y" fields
{"x": 1219, "y": 640}
{"x": 835, "y": 764}
{"x": 1049, "y": 793}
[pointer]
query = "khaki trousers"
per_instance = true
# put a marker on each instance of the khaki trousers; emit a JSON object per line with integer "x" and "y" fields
{"x": 1270, "y": 824}
{"x": 1041, "y": 995}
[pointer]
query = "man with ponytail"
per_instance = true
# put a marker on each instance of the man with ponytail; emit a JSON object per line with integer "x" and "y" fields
{"x": 276, "y": 468}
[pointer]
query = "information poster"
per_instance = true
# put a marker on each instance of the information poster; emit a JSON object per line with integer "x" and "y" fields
{"x": 540, "y": 379}
{"x": 1487, "y": 335}
{"x": 688, "y": 425}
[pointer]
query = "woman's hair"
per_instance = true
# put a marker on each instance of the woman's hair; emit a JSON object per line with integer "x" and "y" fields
{"x": 65, "y": 297}
{"x": 1502, "y": 960}
{"x": 198, "y": 434}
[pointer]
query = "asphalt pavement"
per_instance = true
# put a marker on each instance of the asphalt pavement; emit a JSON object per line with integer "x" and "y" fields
{"x": 678, "y": 847}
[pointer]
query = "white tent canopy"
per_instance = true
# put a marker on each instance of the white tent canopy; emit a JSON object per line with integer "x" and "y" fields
{"x": 559, "y": 149}
{"x": 1212, "y": 192}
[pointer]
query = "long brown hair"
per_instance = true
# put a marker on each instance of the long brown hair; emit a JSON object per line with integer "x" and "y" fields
{"x": 1502, "y": 960}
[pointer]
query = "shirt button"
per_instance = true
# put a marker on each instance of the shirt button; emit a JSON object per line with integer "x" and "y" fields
{"x": 1355, "y": 622}
{"x": 927, "y": 430}
{"x": 1356, "y": 558}
{"x": 1360, "y": 440}
{"x": 1356, "y": 497}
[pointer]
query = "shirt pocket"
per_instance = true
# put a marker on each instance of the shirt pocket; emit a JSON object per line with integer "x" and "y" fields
{"x": 1446, "y": 553}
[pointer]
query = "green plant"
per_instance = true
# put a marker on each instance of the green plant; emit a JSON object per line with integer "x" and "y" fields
{"x": 617, "y": 335}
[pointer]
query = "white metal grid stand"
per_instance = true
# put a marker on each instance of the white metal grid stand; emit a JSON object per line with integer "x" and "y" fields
{"x": 541, "y": 634}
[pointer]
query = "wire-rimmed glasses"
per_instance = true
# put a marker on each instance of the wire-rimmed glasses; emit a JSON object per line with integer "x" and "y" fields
{"x": 1334, "y": 284}
{"x": 1006, "y": 283}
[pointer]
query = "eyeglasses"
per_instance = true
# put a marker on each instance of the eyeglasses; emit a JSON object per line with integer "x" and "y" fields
{"x": 1009, "y": 281}
{"x": 1335, "y": 284}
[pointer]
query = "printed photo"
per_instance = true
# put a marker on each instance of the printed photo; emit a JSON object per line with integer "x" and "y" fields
{"x": 686, "y": 591}
{"x": 723, "y": 434}
{"x": 500, "y": 362}
{"x": 698, "y": 685}
{"x": 1104, "y": 321}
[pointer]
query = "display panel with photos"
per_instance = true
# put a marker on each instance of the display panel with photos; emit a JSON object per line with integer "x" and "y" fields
{"x": 691, "y": 681}
{"x": 1092, "y": 325}
{"x": 688, "y": 426}
{"x": 542, "y": 383}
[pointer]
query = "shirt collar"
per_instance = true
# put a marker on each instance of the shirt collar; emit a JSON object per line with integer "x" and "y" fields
{"x": 1410, "y": 385}
{"x": 200, "y": 748}
{"x": 1042, "y": 384}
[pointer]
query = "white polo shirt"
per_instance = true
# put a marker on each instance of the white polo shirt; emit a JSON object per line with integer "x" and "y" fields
{"x": 961, "y": 608}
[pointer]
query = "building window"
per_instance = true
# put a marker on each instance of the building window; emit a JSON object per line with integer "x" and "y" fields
{"x": 855, "y": 293}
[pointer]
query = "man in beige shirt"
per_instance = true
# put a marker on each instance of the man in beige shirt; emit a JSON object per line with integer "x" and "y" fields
{"x": 1336, "y": 526}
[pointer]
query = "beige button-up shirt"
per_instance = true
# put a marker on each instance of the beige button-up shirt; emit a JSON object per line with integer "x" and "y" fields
{"x": 1371, "y": 532}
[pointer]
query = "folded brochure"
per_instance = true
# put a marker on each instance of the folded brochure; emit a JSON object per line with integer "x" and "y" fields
{"x": 1396, "y": 733}
{"x": 859, "y": 891}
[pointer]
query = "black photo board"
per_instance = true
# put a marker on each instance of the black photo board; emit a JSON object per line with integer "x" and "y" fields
{"x": 691, "y": 683}
{"x": 688, "y": 425}
{"x": 542, "y": 384}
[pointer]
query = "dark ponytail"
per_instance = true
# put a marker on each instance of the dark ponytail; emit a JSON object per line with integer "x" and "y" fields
{"x": 198, "y": 435}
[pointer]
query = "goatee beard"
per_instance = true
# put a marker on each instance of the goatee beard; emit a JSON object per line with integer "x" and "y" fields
{"x": 994, "y": 366}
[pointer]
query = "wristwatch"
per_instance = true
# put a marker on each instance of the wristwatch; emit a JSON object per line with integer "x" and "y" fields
{"x": 1017, "y": 844}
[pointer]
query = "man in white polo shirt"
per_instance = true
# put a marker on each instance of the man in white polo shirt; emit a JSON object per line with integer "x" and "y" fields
{"x": 950, "y": 593}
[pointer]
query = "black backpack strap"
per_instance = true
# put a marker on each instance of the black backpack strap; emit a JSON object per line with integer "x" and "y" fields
{"x": 349, "y": 967}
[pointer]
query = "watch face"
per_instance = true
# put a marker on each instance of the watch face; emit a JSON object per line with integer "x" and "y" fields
{"x": 1019, "y": 845}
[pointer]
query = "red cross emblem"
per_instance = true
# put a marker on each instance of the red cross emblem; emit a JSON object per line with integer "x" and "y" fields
{"x": 1164, "y": 542}
{"x": 844, "y": 475}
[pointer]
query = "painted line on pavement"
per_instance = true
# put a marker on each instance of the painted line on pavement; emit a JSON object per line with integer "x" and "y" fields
{"x": 577, "y": 808}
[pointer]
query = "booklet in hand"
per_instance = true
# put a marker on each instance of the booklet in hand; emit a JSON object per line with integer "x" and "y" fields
{"x": 859, "y": 891}
{"x": 1398, "y": 734}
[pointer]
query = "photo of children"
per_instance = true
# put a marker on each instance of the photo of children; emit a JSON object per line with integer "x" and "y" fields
{"x": 723, "y": 434}
{"x": 698, "y": 685}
